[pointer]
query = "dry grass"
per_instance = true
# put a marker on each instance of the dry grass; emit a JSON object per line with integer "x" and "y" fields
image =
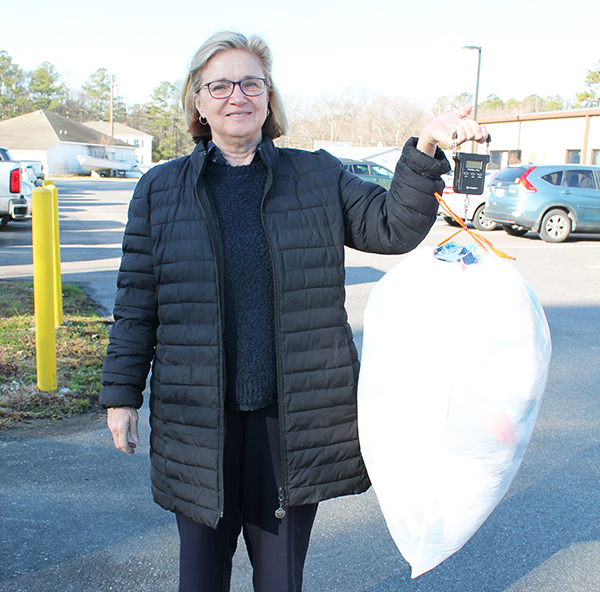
{"x": 80, "y": 347}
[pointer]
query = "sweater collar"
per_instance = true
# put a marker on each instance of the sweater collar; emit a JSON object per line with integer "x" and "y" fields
{"x": 207, "y": 149}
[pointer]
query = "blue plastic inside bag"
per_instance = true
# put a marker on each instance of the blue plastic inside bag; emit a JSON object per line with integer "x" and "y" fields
{"x": 454, "y": 252}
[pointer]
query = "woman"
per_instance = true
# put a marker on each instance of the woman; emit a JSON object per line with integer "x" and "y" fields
{"x": 232, "y": 286}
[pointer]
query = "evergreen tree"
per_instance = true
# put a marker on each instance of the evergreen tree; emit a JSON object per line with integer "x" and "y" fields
{"x": 13, "y": 88}
{"x": 97, "y": 92}
{"x": 165, "y": 122}
{"x": 493, "y": 105}
{"x": 591, "y": 97}
{"x": 45, "y": 89}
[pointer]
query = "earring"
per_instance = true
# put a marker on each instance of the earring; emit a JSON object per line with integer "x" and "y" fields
{"x": 201, "y": 118}
{"x": 268, "y": 112}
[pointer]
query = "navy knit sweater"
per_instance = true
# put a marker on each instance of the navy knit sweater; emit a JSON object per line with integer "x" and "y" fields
{"x": 249, "y": 331}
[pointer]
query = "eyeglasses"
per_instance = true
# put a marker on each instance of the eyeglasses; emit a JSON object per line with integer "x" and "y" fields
{"x": 223, "y": 89}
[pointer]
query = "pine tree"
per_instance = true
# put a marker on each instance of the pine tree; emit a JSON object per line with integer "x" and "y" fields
{"x": 45, "y": 89}
{"x": 165, "y": 122}
{"x": 97, "y": 91}
{"x": 591, "y": 97}
{"x": 13, "y": 88}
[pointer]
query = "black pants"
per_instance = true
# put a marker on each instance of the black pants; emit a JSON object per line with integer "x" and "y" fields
{"x": 277, "y": 548}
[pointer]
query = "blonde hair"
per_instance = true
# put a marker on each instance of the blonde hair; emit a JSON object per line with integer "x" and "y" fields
{"x": 275, "y": 125}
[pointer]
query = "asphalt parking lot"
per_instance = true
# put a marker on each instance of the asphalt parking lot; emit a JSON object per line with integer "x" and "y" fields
{"x": 78, "y": 516}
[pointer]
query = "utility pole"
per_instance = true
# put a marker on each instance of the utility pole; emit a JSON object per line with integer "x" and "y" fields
{"x": 112, "y": 121}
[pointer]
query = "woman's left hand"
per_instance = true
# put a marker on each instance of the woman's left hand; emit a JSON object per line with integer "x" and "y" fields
{"x": 441, "y": 129}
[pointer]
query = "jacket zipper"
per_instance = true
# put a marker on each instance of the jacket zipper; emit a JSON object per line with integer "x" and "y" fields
{"x": 280, "y": 511}
{"x": 217, "y": 250}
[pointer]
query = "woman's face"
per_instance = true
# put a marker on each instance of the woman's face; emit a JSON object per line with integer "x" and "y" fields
{"x": 239, "y": 118}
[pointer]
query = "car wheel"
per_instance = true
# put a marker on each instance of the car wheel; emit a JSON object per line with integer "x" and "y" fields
{"x": 556, "y": 226}
{"x": 481, "y": 222}
{"x": 515, "y": 229}
{"x": 4, "y": 221}
{"x": 451, "y": 221}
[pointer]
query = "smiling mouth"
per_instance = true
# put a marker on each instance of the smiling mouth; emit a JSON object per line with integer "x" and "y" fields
{"x": 238, "y": 114}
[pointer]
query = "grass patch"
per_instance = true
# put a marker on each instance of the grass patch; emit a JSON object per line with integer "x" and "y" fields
{"x": 80, "y": 348}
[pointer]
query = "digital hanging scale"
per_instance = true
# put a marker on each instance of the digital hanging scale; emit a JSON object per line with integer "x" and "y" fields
{"x": 469, "y": 170}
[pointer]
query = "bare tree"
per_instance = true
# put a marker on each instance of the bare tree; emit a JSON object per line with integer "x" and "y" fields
{"x": 357, "y": 118}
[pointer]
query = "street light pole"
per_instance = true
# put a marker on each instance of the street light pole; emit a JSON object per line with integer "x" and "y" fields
{"x": 478, "y": 48}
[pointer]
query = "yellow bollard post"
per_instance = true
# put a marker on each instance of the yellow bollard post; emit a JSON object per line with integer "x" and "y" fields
{"x": 43, "y": 289}
{"x": 57, "y": 279}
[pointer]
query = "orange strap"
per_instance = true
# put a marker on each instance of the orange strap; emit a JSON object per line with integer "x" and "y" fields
{"x": 484, "y": 243}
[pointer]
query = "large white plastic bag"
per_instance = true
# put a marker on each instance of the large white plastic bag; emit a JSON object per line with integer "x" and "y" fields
{"x": 454, "y": 364}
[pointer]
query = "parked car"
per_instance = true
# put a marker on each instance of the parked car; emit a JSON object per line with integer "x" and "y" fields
{"x": 31, "y": 170}
{"x": 13, "y": 190}
{"x": 475, "y": 210}
{"x": 29, "y": 175}
{"x": 369, "y": 171}
{"x": 27, "y": 193}
{"x": 552, "y": 200}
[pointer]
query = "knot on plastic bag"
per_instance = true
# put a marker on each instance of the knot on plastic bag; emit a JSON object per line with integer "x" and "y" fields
{"x": 454, "y": 252}
{"x": 485, "y": 244}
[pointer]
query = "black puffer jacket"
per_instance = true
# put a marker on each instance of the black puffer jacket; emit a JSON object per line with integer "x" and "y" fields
{"x": 169, "y": 310}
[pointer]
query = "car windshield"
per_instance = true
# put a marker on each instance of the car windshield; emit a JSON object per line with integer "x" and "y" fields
{"x": 509, "y": 175}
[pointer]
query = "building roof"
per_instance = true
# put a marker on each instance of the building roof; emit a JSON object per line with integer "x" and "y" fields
{"x": 364, "y": 153}
{"x": 566, "y": 114}
{"x": 346, "y": 150}
{"x": 40, "y": 130}
{"x": 120, "y": 129}
{"x": 384, "y": 155}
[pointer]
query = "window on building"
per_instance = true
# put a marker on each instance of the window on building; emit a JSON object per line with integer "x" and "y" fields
{"x": 495, "y": 160}
{"x": 596, "y": 157}
{"x": 573, "y": 156}
{"x": 500, "y": 159}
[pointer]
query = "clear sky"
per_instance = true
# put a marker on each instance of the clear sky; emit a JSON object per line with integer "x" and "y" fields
{"x": 396, "y": 47}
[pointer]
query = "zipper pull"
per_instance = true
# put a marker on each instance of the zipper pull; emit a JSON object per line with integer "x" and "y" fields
{"x": 280, "y": 512}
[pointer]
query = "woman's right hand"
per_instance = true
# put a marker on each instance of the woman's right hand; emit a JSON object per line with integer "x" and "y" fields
{"x": 123, "y": 425}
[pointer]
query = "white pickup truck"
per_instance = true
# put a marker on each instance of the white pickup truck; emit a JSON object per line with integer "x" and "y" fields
{"x": 31, "y": 170}
{"x": 14, "y": 204}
